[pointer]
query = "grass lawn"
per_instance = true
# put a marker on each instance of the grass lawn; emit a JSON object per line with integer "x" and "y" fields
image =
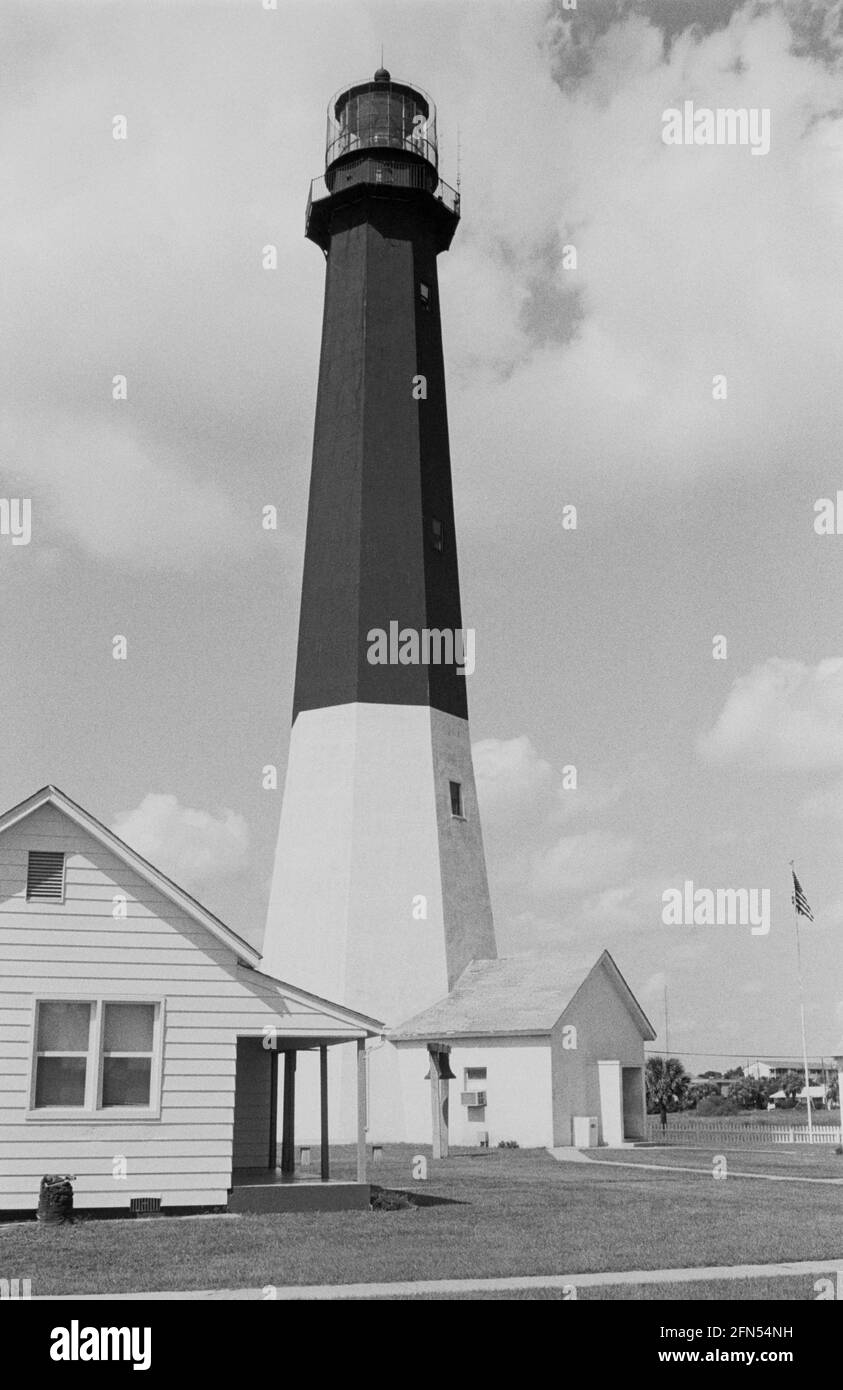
{"x": 501, "y": 1212}
{"x": 797, "y": 1161}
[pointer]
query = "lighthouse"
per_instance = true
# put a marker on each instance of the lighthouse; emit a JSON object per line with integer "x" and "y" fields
{"x": 379, "y": 894}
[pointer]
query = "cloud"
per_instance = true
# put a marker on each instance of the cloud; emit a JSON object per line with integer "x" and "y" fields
{"x": 629, "y": 905}
{"x": 143, "y": 256}
{"x": 516, "y": 787}
{"x": 512, "y": 780}
{"x": 576, "y": 863}
{"x": 120, "y": 498}
{"x": 192, "y": 847}
{"x": 782, "y": 715}
{"x": 626, "y": 400}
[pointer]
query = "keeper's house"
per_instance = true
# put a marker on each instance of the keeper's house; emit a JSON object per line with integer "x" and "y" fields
{"x": 139, "y": 1044}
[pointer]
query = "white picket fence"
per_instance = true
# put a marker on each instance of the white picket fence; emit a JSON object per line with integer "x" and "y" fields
{"x": 744, "y": 1134}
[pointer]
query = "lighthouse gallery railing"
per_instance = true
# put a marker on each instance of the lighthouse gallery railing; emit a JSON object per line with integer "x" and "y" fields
{"x": 381, "y": 171}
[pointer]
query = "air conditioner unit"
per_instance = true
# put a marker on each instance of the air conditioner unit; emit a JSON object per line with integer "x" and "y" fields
{"x": 473, "y": 1098}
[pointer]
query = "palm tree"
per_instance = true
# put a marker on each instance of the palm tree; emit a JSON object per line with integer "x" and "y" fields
{"x": 667, "y": 1084}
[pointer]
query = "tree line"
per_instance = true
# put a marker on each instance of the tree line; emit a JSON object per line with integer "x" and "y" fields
{"x": 671, "y": 1088}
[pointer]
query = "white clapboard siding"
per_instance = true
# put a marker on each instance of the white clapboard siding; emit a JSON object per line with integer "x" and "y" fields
{"x": 137, "y": 954}
{"x": 118, "y": 1133}
{"x": 77, "y": 949}
{"x": 109, "y": 935}
{"x": 91, "y": 1194}
{"x": 196, "y": 1085}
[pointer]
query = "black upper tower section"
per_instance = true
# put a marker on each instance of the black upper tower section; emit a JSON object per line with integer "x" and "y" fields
{"x": 381, "y": 543}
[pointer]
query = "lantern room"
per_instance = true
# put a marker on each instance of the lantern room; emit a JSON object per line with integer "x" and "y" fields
{"x": 381, "y": 116}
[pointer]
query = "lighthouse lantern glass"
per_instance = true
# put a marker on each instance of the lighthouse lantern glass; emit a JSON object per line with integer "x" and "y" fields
{"x": 381, "y": 115}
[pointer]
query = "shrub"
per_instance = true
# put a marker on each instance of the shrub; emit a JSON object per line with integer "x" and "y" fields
{"x": 383, "y": 1200}
{"x": 508, "y": 1144}
{"x": 718, "y": 1105}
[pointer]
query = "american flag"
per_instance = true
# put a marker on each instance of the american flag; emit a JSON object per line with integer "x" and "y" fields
{"x": 800, "y": 902}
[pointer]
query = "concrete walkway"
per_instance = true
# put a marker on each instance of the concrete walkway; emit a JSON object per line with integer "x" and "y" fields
{"x": 565, "y": 1155}
{"x": 415, "y": 1287}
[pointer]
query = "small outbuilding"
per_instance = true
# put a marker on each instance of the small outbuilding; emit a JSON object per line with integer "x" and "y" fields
{"x": 525, "y": 1049}
{"x": 139, "y": 1043}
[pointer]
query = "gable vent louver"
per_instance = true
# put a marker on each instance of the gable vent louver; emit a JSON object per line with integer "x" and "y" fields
{"x": 45, "y": 876}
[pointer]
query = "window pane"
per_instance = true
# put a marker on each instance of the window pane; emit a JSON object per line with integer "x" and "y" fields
{"x": 126, "y": 1080}
{"x": 63, "y": 1027}
{"x": 128, "y": 1027}
{"x": 60, "y": 1081}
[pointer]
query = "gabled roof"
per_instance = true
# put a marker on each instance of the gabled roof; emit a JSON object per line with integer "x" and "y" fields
{"x": 327, "y": 1021}
{"x": 514, "y": 996}
{"x": 52, "y": 796}
{"x": 359, "y": 1023}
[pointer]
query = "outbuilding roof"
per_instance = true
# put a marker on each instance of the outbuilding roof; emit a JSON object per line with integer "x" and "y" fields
{"x": 513, "y": 996}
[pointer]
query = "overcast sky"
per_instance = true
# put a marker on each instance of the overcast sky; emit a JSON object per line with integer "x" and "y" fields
{"x": 591, "y": 387}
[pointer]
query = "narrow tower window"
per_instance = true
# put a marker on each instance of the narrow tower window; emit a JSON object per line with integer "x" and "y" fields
{"x": 437, "y": 534}
{"x": 424, "y": 294}
{"x": 456, "y": 800}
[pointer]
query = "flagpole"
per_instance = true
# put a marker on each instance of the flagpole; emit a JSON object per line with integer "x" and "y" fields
{"x": 802, "y": 1009}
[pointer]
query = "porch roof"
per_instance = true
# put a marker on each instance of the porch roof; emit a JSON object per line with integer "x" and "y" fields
{"x": 301, "y": 1019}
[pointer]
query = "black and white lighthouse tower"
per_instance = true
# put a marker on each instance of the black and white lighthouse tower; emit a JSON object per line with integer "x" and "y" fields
{"x": 379, "y": 895}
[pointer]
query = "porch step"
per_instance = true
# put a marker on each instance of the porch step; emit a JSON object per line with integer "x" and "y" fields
{"x": 300, "y": 1196}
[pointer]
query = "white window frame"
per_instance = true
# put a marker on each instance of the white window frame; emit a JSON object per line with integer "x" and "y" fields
{"x": 92, "y": 1110}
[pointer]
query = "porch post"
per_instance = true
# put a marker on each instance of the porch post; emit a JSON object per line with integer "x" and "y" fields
{"x": 438, "y": 1104}
{"x": 288, "y": 1133}
{"x": 273, "y": 1108}
{"x": 323, "y": 1108}
{"x": 361, "y": 1109}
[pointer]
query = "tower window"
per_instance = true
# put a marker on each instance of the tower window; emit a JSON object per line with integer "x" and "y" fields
{"x": 45, "y": 876}
{"x": 424, "y": 294}
{"x": 437, "y": 534}
{"x": 456, "y": 800}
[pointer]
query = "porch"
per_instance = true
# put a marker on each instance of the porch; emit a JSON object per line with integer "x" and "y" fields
{"x": 259, "y": 1182}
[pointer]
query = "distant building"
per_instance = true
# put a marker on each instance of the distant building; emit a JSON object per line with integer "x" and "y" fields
{"x": 774, "y": 1071}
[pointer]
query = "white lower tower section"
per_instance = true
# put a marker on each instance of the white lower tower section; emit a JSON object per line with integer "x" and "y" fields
{"x": 379, "y": 893}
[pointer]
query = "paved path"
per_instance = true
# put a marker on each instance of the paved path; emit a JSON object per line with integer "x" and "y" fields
{"x": 564, "y": 1155}
{"x": 413, "y": 1288}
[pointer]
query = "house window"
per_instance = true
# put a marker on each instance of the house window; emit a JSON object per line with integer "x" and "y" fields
{"x": 62, "y": 1052}
{"x": 456, "y": 799}
{"x": 96, "y": 1055}
{"x": 437, "y": 534}
{"x": 424, "y": 294}
{"x": 473, "y": 1076}
{"x": 127, "y": 1052}
{"x": 45, "y": 876}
